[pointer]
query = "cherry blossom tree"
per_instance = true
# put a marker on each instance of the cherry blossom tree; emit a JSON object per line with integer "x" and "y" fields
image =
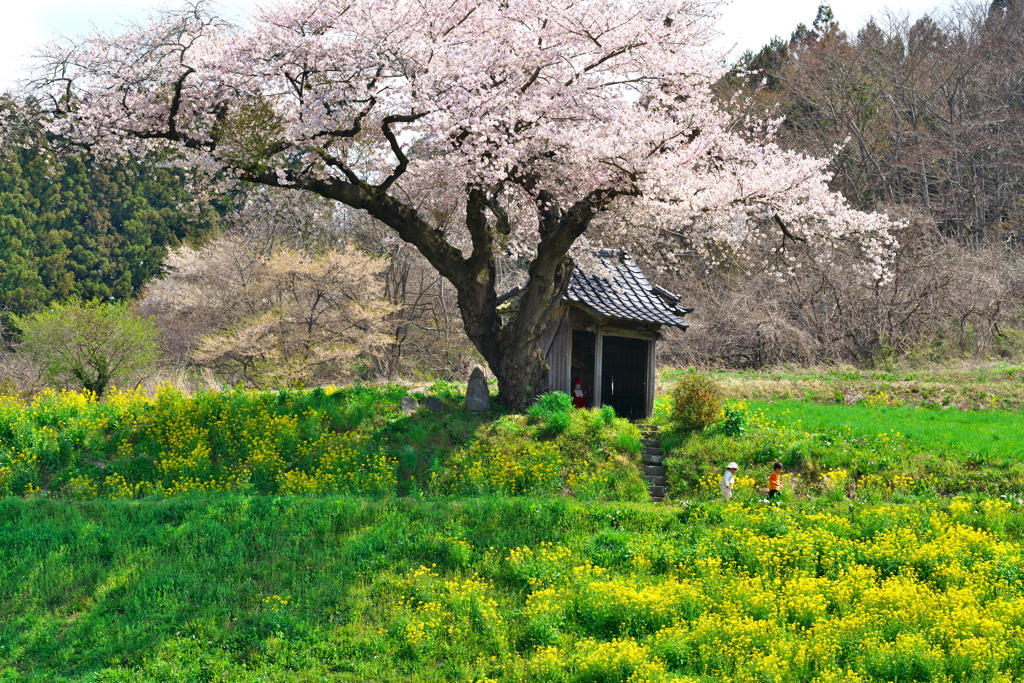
{"x": 475, "y": 129}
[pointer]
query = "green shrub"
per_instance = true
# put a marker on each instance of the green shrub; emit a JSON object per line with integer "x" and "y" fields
{"x": 733, "y": 423}
{"x": 696, "y": 403}
{"x": 89, "y": 345}
{"x": 552, "y": 412}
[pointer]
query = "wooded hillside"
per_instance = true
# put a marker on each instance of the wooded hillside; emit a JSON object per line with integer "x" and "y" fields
{"x": 77, "y": 227}
{"x": 923, "y": 119}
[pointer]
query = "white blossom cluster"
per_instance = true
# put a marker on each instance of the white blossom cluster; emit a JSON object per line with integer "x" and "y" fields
{"x": 533, "y": 100}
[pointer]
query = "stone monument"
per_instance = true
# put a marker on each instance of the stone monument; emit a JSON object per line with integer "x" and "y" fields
{"x": 478, "y": 398}
{"x": 409, "y": 405}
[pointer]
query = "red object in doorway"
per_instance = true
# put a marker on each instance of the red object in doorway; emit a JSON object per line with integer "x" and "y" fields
{"x": 579, "y": 399}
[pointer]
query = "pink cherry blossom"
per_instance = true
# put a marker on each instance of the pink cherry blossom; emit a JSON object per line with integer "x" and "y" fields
{"x": 523, "y": 119}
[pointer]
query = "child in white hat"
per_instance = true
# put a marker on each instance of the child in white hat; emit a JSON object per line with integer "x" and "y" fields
{"x": 728, "y": 479}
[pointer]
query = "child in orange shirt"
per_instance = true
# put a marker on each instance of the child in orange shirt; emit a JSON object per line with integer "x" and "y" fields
{"x": 775, "y": 480}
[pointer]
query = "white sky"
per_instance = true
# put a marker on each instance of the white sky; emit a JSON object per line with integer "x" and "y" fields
{"x": 746, "y": 24}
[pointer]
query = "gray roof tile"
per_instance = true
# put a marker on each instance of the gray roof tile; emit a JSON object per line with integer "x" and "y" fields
{"x": 619, "y": 289}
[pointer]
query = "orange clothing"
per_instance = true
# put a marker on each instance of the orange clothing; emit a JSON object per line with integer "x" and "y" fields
{"x": 774, "y": 481}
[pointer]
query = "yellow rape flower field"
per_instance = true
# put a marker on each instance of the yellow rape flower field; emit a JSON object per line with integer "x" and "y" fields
{"x": 510, "y": 589}
{"x": 324, "y": 536}
{"x": 349, "y": 440}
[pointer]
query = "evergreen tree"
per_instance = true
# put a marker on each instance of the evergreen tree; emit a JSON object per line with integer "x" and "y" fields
{"x": 21, "y": 286}
{"x": 84, "y": 228}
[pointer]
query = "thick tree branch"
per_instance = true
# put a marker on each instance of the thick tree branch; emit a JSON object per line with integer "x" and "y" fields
{"x": 531, "y": 80}
{"x": 172, "y": 114}
{"x": 548, "y": 213}
{"x": 786, "y": 231}
{"x": 396, "y": 149}
{"x": 502, "y": 224}
{"x": 354, "y": 129}
{"x": 476, "y": 223}
{"x": 402, "y": 218}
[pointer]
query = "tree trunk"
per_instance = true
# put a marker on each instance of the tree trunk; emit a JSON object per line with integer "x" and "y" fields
{"x": 511, "y": 348}
{"x": 522, "y": 373}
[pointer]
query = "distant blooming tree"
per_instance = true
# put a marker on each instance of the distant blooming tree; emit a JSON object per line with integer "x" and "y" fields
{"x": 526, "y": 120}
{"x": 89, "y": 345}
{"x": 274, "y": 316}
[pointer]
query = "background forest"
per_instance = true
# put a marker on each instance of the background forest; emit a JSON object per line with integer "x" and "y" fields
{"x": 923, "y": 120}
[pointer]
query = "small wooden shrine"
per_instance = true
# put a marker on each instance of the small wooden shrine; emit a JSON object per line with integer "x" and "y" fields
{"x": 604, "y": 334}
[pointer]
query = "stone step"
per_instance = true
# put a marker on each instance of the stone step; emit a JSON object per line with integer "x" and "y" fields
{"x": 652, "y": 468}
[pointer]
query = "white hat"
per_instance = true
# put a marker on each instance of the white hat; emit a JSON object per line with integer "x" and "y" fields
{"x": 732, "y": 466}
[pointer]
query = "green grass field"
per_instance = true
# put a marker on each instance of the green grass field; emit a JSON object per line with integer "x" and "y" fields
{"x": 990, "y": 435}
{"x": 267, "y": 588}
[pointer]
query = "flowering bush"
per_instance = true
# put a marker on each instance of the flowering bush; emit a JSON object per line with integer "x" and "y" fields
{"x": 696, "y": 403}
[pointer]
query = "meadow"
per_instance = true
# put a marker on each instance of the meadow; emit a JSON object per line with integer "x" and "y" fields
{"x": 322, "y": 535}
{"x": 990, "y": 435}
{"x": 256, "y": 588}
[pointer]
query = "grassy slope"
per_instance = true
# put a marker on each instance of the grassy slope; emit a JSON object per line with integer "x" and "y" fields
{"x": 88, "y": 587}
{"x": 181, "y": 587}
{"x": 332, "y": 589}
{"x": 350, "y": 440}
